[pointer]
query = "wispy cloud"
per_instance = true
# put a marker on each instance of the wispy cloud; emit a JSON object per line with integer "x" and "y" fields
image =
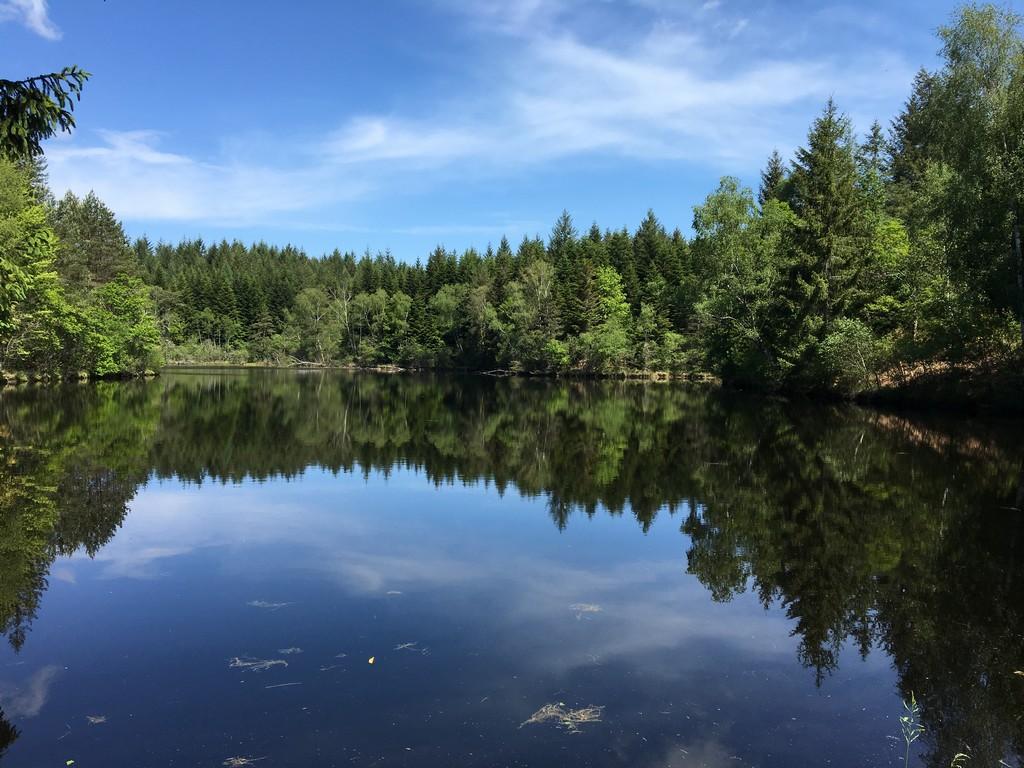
{"x": 33, "y": 14}
{"x": 369, "y": 139}
{"x": 130, "y": 172}
{"x": 688, "y": 83}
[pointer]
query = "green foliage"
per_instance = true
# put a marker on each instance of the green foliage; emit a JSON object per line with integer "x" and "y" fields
{"x": 58, "y": 323}
{"x": 742, "y": 256}
{"x": 31, "y": 301}
{"x": 976, "y": 108}
{"x": 773, "y": 178}
{"x": 910, "y": 724}
{"x": 830, "y": 251}
{"x": 122, "y": 336}
{"x": 34, "y": 109}
{"x": 849, "y": 355}
{"x": 866, "y": 263}
{"x": 93, "y": 246}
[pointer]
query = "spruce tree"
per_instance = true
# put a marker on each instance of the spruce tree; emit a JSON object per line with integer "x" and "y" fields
{"x": 832, "y": 238}
{"x": 872, "y": 170}
{"x": 563, "y": 254}
{"x": 772, "y": 178}
{"x": 503, "y": 271}
{"x": 911, "y": 135}
{"x": 623, "y": 259}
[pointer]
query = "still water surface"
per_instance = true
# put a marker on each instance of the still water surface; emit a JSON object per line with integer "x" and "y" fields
{"x": 197, "y": 571}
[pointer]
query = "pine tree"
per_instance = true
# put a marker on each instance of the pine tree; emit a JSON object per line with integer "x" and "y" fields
{"x": 772, "y": 178}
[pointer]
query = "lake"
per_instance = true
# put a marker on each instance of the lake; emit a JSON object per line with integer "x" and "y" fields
{"x": 331, "y": 569}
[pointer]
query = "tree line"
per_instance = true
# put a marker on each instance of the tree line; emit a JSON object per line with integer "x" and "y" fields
{"x": 862, "y": 262}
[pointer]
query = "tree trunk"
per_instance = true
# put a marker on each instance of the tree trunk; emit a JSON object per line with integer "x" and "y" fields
{"x": 1020, "y": 267}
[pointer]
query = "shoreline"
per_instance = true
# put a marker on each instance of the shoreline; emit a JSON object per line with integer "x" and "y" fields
{"x": 982, "y": 396}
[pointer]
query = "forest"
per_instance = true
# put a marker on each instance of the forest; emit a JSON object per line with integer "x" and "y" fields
{"x": 887, "y": 260}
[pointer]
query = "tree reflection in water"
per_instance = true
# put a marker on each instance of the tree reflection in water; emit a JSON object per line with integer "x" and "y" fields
{"x": 893, "y": 533}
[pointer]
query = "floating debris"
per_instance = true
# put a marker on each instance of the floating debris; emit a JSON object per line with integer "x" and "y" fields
{"x": 289, "y": 651}
{"x": 267, "y": 606}
{"x": 255, "y": 665}
{"x": 569, "y": 719}
{"x": 240, "y": 762}
{"x": 413, "y": 646}
{"x": 96, "y": 719}
{"x": 371, "y": 660}
{"x": 280, "y": 685}
{"x": 583, "y": 608}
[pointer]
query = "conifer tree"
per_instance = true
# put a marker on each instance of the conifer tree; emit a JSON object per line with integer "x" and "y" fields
{"x": 772, "y": 178}
{"x": 832, "y": 239}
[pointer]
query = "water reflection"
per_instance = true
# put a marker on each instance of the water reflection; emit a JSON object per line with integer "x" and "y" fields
{"x": 8, "y": 733}
{"x": 868, "y": 530}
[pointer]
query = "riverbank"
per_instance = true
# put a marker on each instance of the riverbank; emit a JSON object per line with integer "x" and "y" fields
{"x": 973, "y": 390}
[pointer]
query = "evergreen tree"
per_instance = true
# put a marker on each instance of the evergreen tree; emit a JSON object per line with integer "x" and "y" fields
{"x": 772, "y": 178}
{"x": 36, "y": 108}
{"x": 911, "y": 136}
{"x": 94, "y": 249}
{"x": 832, "y": 238}
{"x": 503, "y": 270}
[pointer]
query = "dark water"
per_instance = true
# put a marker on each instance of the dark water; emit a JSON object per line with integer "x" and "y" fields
{"x": 736, "y": 582}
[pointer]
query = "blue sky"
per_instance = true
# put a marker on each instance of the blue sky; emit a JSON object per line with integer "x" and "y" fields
{"x": 403, "y": 124}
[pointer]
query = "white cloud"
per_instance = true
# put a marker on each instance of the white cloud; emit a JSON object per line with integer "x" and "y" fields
{"x": 140, "y": 181}
{"x": 33, "y": 14}
{"x": 368, "y": 139}
{"x": 680, "y": 85}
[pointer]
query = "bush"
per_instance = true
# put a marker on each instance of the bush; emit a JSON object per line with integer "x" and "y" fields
{"x": 849, "y": 356}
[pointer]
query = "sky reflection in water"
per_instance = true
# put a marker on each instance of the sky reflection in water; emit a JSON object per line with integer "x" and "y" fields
{"x": 477, "y": 607}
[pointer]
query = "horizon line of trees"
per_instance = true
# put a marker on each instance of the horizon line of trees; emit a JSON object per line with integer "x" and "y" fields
{"x": 859, "y": 263}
